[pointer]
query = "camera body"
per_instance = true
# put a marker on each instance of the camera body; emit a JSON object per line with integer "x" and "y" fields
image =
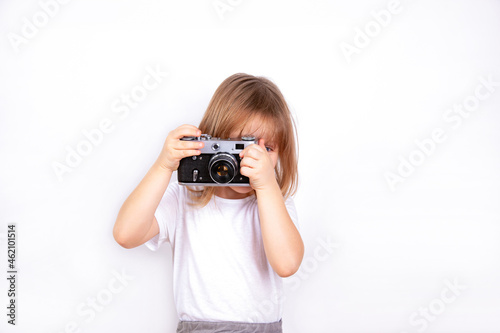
{"x": 217, "y": 165}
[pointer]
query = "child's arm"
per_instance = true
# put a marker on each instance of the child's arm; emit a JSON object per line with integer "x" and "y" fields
{"x": 136, "y": 223}
{"x": 282, "y": 242}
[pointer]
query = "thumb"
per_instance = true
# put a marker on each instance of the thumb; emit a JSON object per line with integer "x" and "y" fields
{"x": 261, "y": 143}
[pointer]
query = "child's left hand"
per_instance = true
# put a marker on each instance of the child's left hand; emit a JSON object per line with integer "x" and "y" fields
{"x": 257, "y": 165}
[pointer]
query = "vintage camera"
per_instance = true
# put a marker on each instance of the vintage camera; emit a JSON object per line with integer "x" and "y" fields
{"x": 217, "y": 165}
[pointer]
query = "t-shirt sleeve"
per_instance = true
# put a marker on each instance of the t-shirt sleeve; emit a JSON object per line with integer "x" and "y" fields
{"x": 167, "y": 213}
{"x": 290, "y": 207}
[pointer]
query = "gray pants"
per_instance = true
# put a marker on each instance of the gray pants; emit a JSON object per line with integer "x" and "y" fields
{"x": 228, "y": 326}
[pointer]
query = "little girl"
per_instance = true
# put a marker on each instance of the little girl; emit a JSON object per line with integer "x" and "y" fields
{"x": 231, "y": 245}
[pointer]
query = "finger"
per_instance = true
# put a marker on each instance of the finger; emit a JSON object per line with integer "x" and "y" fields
{"x": 181, "y": 145}
{"x": 246, "y": 171}
{"x": 186, "y": 130}
{"x": 249, "y": 147}
{"x": 253, "y": 151}
{"x": 187, "y": 152}
{"x": 249, "y": 162}
{"x": 262, "y": 144}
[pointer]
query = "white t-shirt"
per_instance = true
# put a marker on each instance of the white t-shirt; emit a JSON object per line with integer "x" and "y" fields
{"x": 220, "y": 269}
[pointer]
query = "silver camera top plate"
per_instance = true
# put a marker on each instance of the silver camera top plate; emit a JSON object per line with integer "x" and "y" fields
{"x": 218, "y": 145}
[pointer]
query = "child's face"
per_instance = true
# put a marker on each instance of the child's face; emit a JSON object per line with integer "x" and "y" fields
{"x": 256, "y": 128}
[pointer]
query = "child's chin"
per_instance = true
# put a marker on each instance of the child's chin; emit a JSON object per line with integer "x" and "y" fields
{"x": 242, "y": 189}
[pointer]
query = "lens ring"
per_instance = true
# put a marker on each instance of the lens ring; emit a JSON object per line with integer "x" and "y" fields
{"x": 225, "y": 160}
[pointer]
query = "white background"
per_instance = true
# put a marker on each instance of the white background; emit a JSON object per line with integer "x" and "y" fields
{"x": 394, "y": 250}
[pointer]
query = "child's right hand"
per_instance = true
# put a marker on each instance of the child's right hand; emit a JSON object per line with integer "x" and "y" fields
{"x": 174, "y": 149}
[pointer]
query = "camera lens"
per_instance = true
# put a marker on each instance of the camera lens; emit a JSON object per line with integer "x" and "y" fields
{"x": 222, "y": 168}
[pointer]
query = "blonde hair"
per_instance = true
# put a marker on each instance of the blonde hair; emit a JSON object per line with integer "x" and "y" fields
{"x": 235, "y": 103}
